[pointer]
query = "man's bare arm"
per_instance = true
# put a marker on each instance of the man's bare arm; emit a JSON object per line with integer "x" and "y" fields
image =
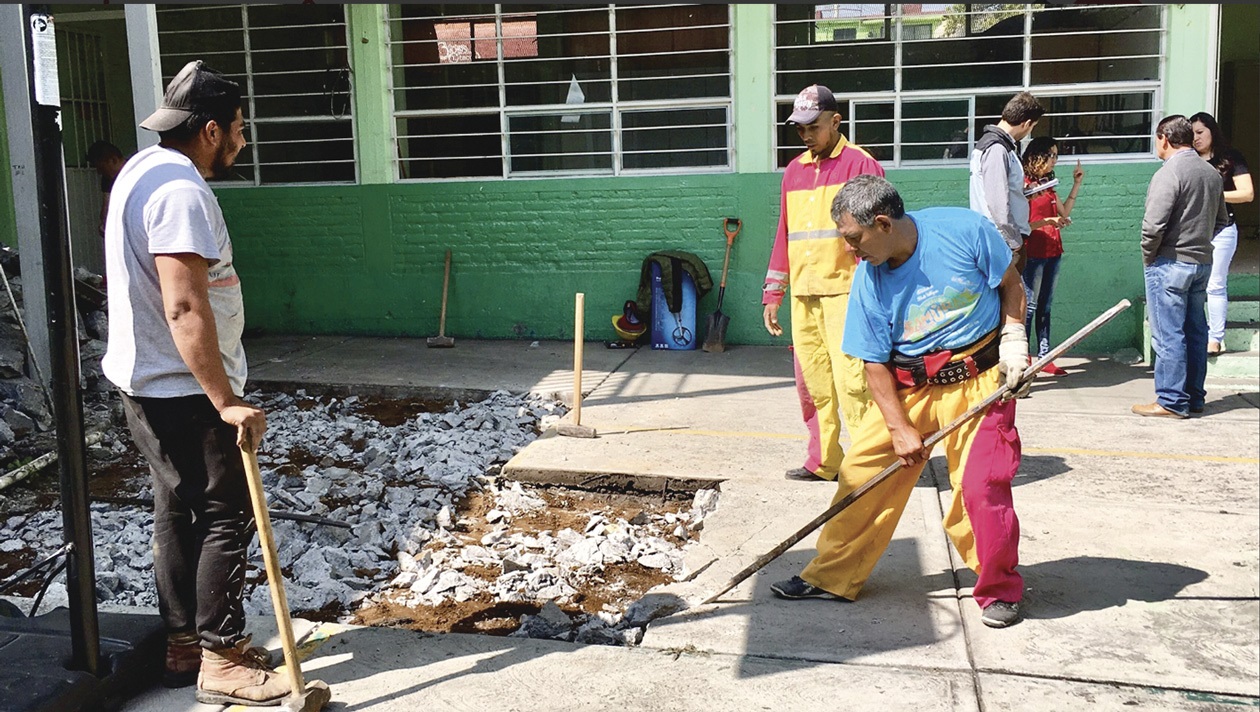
{"x": 1014, "y": 298}
{"x": 185, "y": 283}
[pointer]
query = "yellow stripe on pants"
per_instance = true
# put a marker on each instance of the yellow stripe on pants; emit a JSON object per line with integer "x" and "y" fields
{"x": 835, "y": 380}
{"x": 851, "y": 542}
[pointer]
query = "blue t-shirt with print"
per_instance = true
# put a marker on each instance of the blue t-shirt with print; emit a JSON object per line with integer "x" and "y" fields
{"x": 944, "y": 297}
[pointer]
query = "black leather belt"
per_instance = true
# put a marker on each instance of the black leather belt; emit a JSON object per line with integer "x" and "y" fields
{"x": 936, "y": 368}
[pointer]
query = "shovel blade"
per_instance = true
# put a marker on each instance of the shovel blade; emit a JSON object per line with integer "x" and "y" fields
{"x": 715, "y": 341}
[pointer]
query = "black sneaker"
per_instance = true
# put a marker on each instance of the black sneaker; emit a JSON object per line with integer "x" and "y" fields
{"x": 801, "y": 474}
{"x": 795, "y": 589}
{"x": 1000, "y": 614}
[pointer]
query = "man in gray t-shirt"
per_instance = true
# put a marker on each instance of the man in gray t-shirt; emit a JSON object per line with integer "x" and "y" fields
{"x": 175, "y": 353}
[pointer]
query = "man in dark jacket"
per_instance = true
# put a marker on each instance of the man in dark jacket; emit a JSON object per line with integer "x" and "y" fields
{"x": 997, "y": 176}
{"x": 1185, "y": 207}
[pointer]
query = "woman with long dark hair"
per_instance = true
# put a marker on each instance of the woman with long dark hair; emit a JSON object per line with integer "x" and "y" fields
{"x": 1211, "y": 144}
{"x": 1046, "y": 216}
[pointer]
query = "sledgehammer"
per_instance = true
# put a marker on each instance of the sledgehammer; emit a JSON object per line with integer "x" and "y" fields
{"x": 303, "y": 697}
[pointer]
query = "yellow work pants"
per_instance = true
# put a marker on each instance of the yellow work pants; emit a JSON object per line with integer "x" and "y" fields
{"x": 835, "y": 381}
{"x": 982, "y": 456}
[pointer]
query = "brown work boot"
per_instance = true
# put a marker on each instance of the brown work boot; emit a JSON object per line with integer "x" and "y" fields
{"x": 239, "y": 676}
{"x": 183, "y": 659}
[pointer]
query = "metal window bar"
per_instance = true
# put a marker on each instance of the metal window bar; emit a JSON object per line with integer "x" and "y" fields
{"x": 1027, "y": 37}
{"x": 303, "y": 38}
{"x": 83, "y": 92}
{"x": 614, "y": 82}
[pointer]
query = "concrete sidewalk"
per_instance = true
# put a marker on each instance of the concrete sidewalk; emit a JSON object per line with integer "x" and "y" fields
{"x": 1140, "y": 549}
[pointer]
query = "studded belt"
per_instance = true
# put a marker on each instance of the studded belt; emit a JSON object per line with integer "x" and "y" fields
{"x": 941, "y": 368}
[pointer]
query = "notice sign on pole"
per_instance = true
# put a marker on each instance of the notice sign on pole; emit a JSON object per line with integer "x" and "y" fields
{"x": 47, "y": 92}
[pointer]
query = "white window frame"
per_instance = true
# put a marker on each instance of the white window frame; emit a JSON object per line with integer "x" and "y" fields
{"x": 248, "y": 98}
{"x": 898, "y": 96}
{"x": 616, "y": 108}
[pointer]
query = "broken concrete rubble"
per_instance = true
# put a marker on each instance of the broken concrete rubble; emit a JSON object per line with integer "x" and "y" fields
{"x": 400, "y": 489}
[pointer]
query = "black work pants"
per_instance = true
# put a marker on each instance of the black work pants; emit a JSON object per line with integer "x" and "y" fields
{"x": 202, "y": 521}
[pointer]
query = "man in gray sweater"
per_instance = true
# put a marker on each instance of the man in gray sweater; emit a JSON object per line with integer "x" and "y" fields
{"x": 1185, "y": 207}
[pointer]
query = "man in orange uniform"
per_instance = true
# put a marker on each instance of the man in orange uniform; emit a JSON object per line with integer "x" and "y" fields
{"x": 809, "y": 255}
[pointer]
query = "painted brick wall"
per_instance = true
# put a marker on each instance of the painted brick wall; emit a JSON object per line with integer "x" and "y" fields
{"x": 368, "y": 259}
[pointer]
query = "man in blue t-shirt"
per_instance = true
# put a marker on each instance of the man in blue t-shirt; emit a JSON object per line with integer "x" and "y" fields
{"x": 934, "y": 290}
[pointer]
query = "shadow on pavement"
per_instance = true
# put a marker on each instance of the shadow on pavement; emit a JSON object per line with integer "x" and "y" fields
{"x": 1058, "y": 589}
{"x": 1234, "y": 401}
{"x": 1097, "y": 372}
{"x": 1032, "y": 468}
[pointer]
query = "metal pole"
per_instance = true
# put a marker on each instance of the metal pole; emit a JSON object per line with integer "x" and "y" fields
{"x": 41, "y": 58}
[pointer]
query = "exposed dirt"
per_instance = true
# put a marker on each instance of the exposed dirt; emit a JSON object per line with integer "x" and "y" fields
{"x": 481, "y": 614}
{"x": 12, "y": 563}
{"x": 394, "y": 412}
{"x": 617, "y": 587}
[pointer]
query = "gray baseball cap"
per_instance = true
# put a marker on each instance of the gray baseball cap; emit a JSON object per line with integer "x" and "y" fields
{"x": 196, "y": 89}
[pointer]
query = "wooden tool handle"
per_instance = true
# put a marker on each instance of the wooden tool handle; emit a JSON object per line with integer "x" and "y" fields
{"x": 446, "y": 280}
{"x": 275, "y": 579}
{"x": 726, "y": 263}
{"x": 928, "y": 442}
{"x": 579, "y": 314}
{"x": 730, "y": 240}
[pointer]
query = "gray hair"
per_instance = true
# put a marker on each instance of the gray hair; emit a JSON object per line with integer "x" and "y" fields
{"x": 866, "y": 196}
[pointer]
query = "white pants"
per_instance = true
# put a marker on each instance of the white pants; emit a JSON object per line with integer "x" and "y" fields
{"x": 1223, "y": 246}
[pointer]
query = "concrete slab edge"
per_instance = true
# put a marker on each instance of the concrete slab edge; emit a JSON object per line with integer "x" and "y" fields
{"x": 668, "y": 487}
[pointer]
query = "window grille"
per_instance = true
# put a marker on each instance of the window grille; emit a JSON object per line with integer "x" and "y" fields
{"x": 529, "y": 90}
{"x": 295, "y": 81}
{"x": 85, "y": 111}
{"x": 917, "y": 83}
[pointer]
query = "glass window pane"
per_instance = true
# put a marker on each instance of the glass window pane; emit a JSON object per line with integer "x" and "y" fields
{"x": 673, "y": 52}
{"x": 1095, "y": 44}
{"x": 567, "y": 45}
{"x": 1102, "y": 123}
{"x": 450, "y": 146}
{"x": 305, "y": 152}
{"x": 434, "y": 62}
{"x": 789, "y": 144}
{"x": 973, "y": 45}
{"x": 556, "y": 142}
{"x": 810, "y": 48}
{"x": 297, "y": 65}
{"x": 873, "y": 128}
{"x": 988, "y": 111}
{"x": 934, "y": 130}
{"x": 683, "y": 138}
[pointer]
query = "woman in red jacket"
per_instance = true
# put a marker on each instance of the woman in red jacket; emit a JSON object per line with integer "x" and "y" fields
{"x": 1046, "y": 216}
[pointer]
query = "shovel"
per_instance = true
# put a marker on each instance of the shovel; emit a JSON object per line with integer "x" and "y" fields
{"x": 715, "y": 328}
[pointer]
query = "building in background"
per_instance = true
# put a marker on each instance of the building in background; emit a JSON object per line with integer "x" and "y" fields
{"x": 552, "y": 147}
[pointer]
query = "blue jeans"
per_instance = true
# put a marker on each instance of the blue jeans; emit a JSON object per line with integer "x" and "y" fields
{"x": 1176, "y": 304}
{"x": 1040, "y": 276}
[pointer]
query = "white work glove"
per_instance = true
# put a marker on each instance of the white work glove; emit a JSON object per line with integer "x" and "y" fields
{"x": 1013, "y": 359}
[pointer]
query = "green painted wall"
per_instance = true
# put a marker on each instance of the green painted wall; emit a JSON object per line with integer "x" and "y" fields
{"x": 753, "y": 101}
{"x": 1190, "y": 70}
{"x": 368, "y": 259}
{"x": 369, "y": 57}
